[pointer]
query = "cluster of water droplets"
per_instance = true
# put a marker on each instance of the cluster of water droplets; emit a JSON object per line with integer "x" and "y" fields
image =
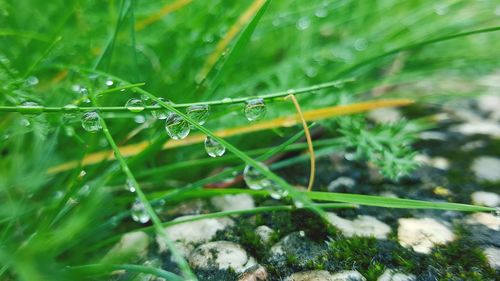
{"x": 138, "y": 212}
{"x": 256, "y": 180}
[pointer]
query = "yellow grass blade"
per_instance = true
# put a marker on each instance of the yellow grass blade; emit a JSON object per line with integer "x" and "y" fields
{"x": 167, "y": 9}
{"x": 287, "y": 121}
{"x": 228, "y": 37}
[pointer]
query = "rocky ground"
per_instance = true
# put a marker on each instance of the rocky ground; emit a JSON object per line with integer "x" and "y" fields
{"x": 460, "y": 163}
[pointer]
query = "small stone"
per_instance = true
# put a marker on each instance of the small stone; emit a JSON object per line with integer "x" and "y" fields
{"x": 488, "y": 199}
{"x": 493, "y": 256}
{"x": 233, "y": 202}
{"x": 481, "y": 127}
{"x": 313, "y": 275}
{"x": 392, "y": 275}
{"x": 221, "y": 255}
{"x": 364, "y": 226}
{"x": 490, "y": 104}
{"x": 341, "y": 182}
{"x": 296, "y": 245}
{"x": 423, "y": 234}
{"x": 186, "y": 234}
{"x": 254, "y": 273}
{"x": 436, "y": 162}
{"x": 385, "y": 115}
{"x": 132, "y": 246}
{"x": 348, "y": 275}
{"x": 487, "y": 168}
{"x": 486, "y": 219}
{"x": 265, "y": 233}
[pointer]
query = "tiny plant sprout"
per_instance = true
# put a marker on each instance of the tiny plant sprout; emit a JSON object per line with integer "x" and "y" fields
{"x": 91, "y": 122}
{"x": 255, "y": 109}
{"x": 199, "y": 113}
{"x": 213, "y": 147}
{"x": 177, "y": 128}
{"x": 135, "y": 105}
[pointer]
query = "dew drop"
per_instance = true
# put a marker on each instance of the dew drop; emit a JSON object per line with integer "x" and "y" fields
{"x": 213, "y": 147}
{"x": 257, "y": 181}
{"x": 198, "y": 113}
{"x": 139, "y": 119}
{"x": 161, "y": 113}
{"x": 303, "y": 23}
{"x": 255, "y": 109}
{"x": 31, "y": 81}
{"x": 321, "y": 13}
{"x": 138, "y": 212}
{"x": 30, "y": 107}
{"x": 91, "y": 122}
{"x": 177, "y": 128}
{"x": 25, "y": 122}
{"x": 135, "y": 105}
{"x": 227, "y": 100}
{"x": 298, "y": 204}
{"x": 130, "y": 186}
{"x": 109, "y": 83}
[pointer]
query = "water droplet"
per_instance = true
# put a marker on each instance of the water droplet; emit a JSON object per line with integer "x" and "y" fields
{"x": 135, "y": 105}
{"x": 227, "y": 100}
{"x": 257, "y": 181}
{"x": 321, "y": 13}
{"x": 177, "y": 128}
{"x": 91, "y": 122}
{"x": 255, "y": 109}
{"x": 298, "y": 204}
{"x": 198, "y": 113}
{"x": 213, "y": 147}
{"x": 138, "y": 212}
{"x": 291, "y": 91}
{"x": 303, "y": 23}
{"x": 70, "y": 110}
{"x": 109, "y": 83}
{"x": 82, "y": 173}
{"x": 30, "y": 107}
{"x": 139, "y": 119}
{"x": 360, "y": 44}
{"x": 31, "y": 81}
{"x": 25, "y": 122}
{"x": 160, "y": 113}
{"x": 130, "y": 186}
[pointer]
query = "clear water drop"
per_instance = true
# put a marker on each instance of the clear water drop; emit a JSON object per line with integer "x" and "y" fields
{"x": 130, "y": 186}
{"x": 70, "y": 110}
{"x": 321, "y": 13}
{"x": 227, "y": 100}
{"x": 257, "y": 181}
{"x": 25, "y": 122}
{"x": 199, "y": 113}
{"x": 31, "y": 81}
{"x": 161, "y": 113}
{"x": 91, "y": 122}
{"x": 303, "y": 23}
{"x": 138, "y": 212}
{"x": 139, "y": 119}
{"x": 255, "y": 109}
{"x": 177, "y": 128}
{"x": 109, "y": 83}
{"x": 213, "y": 147}
{"x": 30, "y": 107}
{"x": 298, "y": 204}
{"x": 135, "y": 105}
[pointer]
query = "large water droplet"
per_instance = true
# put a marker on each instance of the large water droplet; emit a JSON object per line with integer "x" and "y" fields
{"x": 303, "y": 23}
{"x": 198, "y": 113}
{"x": 130, "y": 186}
{"x": 177, "y": 128}
{"x": 160, "y": 113}
{"x": 30, "y": 107}
{"x": 213, "y": 147}
{"x": 135, "y": 105}
{"x": 255, "y": 109}
{"x": 91, "y": 122}
{"x": 70, "y": 110}
{"x": 257, "y": 181}
{"x": 31, "y": 81}
{"x": 138, "y": 212}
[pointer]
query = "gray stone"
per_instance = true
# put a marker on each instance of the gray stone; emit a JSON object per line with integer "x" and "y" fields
{"x": 480, "y": 127}
{"x": 392, "y": 275}
{"x": 493, "y": 256}
{"x": 385, "y": 115}
{"x": 265, "y": 233}
{"x": 132, "y": 245}
{"x": 313, "y": 275}
{"x": 487, "y": 168}
{"x": 348, "y": 275}
{"x": 365, "y": 226}
{"x": 221, "y": 255}
{"x": 254, "y": 273}
{"x": 186, "y": 234}
{"x": 488, "y": 199}
{"x": 233, "y": 202}
{"x": 489, "y": 220}
{"x": 422, "y": 234}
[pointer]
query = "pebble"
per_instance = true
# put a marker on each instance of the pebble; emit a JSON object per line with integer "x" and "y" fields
{"x": 489, "y": 220}
{"x": 323, "y": 275}
{"x": 221, "y": 255}
{"x": 186, "y": 234}
{"x": 233, "y": 202}
{"x": 365, "y": 226}
{"x": 423, "y": 234}
{"x": 385, "y": 115}
{"x": 493, "y": 256}
{"x": 437, "y": 162}
{"x": 481, "y": 127}
{"x": 488, "y": 199}
{"x": 487, "y": 168}
{"x": 265, "y": 233}
{"x": 254, "y": 273}
{"x": 341, "y": 182}
{"x": 132, "y": 245}
{"x": 490, "y": 104}
{"x": 392, "y": 275}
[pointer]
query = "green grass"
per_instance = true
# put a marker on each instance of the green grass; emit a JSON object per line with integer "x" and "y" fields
{"x": 329, "y": 52}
